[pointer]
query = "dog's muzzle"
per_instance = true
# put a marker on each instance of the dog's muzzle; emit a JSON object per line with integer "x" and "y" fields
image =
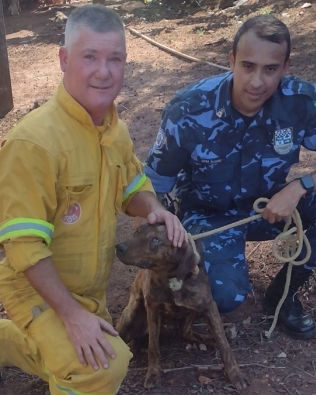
{"x": 121, "y": 249}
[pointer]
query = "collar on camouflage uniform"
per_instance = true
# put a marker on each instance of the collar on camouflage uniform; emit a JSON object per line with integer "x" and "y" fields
{"x": 223, "y": 106}
{"x": 274, "y": 108}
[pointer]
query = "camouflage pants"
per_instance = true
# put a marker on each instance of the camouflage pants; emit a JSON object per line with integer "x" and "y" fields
{"x": 225, "y": 260}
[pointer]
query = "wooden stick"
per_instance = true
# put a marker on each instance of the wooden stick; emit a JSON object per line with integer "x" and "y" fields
{"x": 253, "y": 250}
{"x": 221, "y": 367}
{"x": 173, "y": 51}
{"x": 304, "y": 371}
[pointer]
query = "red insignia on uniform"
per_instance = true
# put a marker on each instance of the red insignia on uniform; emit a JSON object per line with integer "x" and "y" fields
{"x": 73, "y": 214}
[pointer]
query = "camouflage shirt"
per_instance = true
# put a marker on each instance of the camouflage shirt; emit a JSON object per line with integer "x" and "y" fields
{"x": 217, "y": 159}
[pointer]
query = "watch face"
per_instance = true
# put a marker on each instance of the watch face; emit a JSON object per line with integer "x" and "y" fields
{"x": 308, "y": 183}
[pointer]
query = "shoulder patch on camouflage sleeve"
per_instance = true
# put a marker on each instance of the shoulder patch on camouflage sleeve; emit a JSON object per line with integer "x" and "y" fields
{"x": 160, "y": 140}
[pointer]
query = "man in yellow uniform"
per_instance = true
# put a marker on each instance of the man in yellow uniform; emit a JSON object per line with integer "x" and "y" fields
{"x": 67, "y": 169}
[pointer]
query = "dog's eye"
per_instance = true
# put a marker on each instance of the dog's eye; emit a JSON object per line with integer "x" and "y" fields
{"x": 155, "y": 240}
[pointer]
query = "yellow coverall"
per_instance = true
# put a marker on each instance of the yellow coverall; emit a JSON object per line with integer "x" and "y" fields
{"x": 63, "y": 181}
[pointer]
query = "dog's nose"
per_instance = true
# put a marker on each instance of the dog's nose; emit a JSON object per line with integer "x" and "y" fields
{"x": 121, "y": 248}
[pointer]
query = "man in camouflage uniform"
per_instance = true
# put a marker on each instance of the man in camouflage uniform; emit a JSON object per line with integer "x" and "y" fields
{"x": 226, "y": 141}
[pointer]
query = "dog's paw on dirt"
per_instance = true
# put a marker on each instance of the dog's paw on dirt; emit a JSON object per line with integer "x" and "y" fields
{"x": 153, "y": 379}
{"x": 238, "y": 380}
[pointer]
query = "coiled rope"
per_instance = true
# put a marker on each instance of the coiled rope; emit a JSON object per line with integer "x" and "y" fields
{"x": 293, "y": 238}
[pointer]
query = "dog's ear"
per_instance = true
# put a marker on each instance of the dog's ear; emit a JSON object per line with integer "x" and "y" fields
{"x": 189, "y": 260}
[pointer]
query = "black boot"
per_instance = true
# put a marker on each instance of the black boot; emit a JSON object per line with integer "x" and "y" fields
{"x": 295, "y": 322}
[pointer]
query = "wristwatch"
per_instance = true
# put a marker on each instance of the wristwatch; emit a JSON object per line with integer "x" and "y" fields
{"x": 308, "y": 183}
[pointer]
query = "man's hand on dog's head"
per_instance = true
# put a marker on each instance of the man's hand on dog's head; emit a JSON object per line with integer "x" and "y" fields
{"x": 176, "y": 232}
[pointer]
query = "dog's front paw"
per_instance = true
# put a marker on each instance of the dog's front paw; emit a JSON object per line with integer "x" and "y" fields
{"x": 152, "y": 379}
{"x": 237, "y": 379}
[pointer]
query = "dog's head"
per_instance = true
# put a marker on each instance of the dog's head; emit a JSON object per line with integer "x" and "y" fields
{"x": 149, "y": 248}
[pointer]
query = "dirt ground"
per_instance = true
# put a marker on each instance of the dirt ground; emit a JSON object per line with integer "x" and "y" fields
{"x": 279, "y": 365}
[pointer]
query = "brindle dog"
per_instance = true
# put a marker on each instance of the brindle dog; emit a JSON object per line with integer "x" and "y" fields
{"x": 176, "y": 285}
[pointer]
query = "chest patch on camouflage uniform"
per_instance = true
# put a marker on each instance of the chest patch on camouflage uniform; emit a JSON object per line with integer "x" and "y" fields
{"x": 160, "y": 140}
{"x": 283, "y": 140}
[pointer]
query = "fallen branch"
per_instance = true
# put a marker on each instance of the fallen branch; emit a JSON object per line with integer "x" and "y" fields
{"x": 288, "y": 391}
{"x": 173, "y": 51}
{"x": 221, "y": 367}
{"x": 214, "y": 367}
{"x": 253, "y": 250}
{"x": 304, "y": 371}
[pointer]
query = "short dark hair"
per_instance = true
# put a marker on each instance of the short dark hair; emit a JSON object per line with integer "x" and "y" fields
{"x": 93, "y": 16}
{"x": 266, "y": 27}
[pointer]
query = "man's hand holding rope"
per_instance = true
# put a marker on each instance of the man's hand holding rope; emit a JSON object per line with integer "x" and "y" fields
{"x": 283, "y": 203}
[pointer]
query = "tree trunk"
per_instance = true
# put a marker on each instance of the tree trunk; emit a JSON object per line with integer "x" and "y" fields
{"x": 6, "y": 100}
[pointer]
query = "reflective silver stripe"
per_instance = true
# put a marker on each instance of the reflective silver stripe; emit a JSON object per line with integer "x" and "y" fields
{"x": 66, "y": 390}
{"x": 24, "y": 229}
{"x": 69, "y": 391}
{"x": 133, "y": 186}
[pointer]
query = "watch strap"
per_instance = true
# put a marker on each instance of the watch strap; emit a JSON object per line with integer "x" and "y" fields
{"x": 308, "y": 183}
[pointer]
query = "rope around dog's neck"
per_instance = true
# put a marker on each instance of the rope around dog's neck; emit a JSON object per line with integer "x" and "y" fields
{"x": 294, "y": 240}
